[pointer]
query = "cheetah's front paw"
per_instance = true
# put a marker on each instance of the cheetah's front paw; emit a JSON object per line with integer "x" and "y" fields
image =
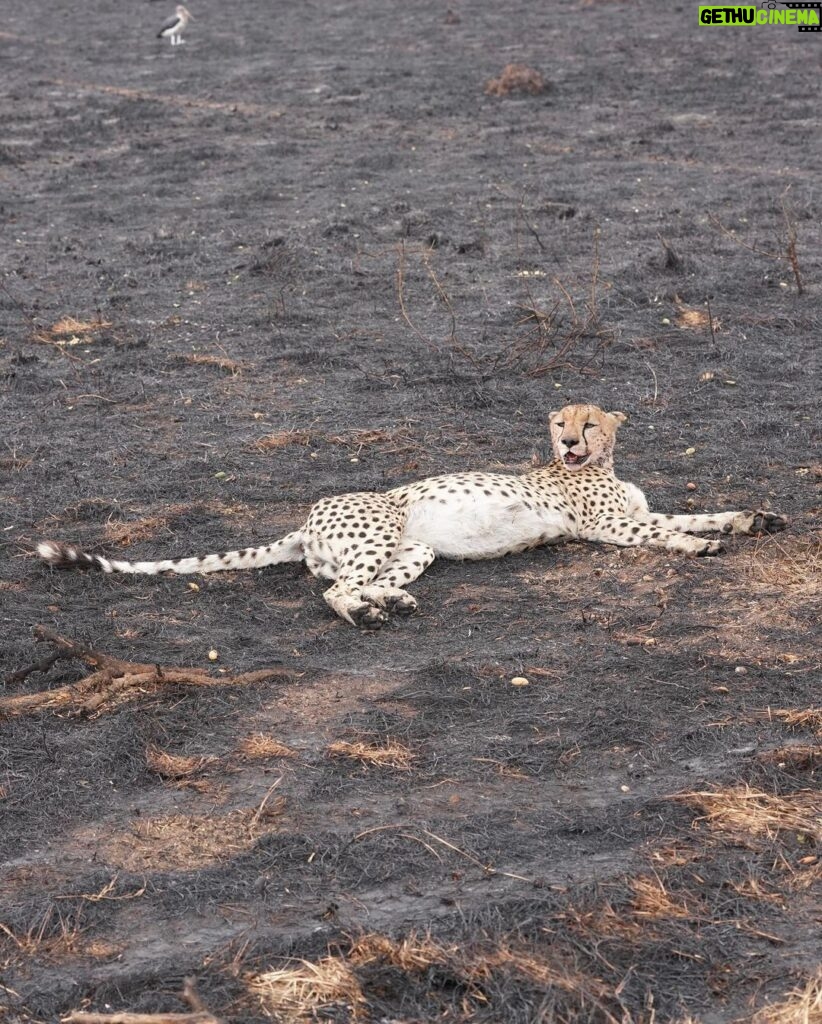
{"x": 710, "y": 547}
{"x": 401, "y": 604}
{"x": 366, "y": 616}
{"x": 766, "y": 522}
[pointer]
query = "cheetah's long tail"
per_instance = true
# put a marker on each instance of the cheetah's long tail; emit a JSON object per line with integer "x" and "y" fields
{"x": 67, "y": 556}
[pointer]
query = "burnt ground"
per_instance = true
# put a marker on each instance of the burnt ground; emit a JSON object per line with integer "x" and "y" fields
{"x": 309, "y": 254}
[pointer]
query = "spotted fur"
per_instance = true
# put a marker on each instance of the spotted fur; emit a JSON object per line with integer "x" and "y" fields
{"x": 373, "y": 545}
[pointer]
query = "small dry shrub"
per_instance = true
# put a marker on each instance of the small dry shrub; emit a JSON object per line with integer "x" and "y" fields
{"x": 516, "y": 78}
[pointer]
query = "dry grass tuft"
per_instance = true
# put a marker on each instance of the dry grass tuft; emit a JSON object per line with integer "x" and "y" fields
{"x": 795, "y": 718}
{"x": 221, "y": 362}
{"x": 800, "y": 757}
{"x": 690, "y": 318}
{"x": 388, "y": 754}
{"x": 294, "y": 993}
{"x": 536, "y": 970}
{"x": 281, "y": 439}
{"x": 258, "y": 747}
{"x": 70, "y": 331}
{"x": 175, "y": 766}
{"x": 516, "y": 78}
{"x": 413, "y": 953}
{"x": 741, "y": 810}
{"x": 802, "y": 1006}
{"x": 652, "y": 899}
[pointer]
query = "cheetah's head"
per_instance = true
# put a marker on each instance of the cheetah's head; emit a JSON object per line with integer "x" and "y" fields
{"x": 584, "y": 435}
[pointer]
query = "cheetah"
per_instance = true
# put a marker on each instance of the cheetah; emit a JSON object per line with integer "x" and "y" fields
{"x": 372, "y": 545}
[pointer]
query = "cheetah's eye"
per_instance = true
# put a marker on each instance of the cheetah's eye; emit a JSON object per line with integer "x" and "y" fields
{"x": 558, "y": 424}
{"x": 588, "y": 426}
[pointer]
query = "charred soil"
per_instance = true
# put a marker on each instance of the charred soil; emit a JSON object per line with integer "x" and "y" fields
{"x": 313, "y": 250}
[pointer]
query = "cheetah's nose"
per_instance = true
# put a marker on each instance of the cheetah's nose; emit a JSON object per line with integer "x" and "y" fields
{"x": 569, "y": 442}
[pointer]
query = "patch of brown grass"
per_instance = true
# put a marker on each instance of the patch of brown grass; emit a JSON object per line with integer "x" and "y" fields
{"x": 794, "y": 562}
{"x": 801, "y": 1005}
{"x": 391, "y": 442}
{"x": 298, "y": 992}
{"x": 175, "y": 766}
{"x": 188, "y": 842}
{"x": 742, "y": 811}
{"x": 258, "y": 747}
{"x": 126, "y": 533}
{"x": 388, "y": 754}
{"x": 516, "y": 78}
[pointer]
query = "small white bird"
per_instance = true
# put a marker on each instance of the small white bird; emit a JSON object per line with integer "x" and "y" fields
{"x": 173, "y": 28}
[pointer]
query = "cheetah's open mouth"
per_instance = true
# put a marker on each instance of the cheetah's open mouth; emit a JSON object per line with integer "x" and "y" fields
{"x": 575, "y": 460}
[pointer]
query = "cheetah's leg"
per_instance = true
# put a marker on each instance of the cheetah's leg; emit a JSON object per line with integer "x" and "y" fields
{"x": 719, "y": 522}
{"x": 628, "y": 532}
{"x": 407, "y": 564}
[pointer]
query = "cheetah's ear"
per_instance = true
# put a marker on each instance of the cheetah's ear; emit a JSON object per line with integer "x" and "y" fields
{"x": 620, "y": 417}
{"x": 553, "y": 415}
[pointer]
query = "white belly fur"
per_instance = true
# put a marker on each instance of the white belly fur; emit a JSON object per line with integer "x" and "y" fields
{"x": 465, "y": 526}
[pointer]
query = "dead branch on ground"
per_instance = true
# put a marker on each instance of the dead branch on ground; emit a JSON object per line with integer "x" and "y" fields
{"x": 198, "y": 1015}
{"x": 112, "y": 679}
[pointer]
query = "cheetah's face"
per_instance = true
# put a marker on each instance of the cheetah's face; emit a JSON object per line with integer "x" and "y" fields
{"x": 584, "y": 435}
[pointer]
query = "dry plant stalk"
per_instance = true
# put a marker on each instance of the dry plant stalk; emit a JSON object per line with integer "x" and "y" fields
{"x": 388, "y": 754}
{"x": 198, "y": 1014}
{"x": 81, "y": 1017}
